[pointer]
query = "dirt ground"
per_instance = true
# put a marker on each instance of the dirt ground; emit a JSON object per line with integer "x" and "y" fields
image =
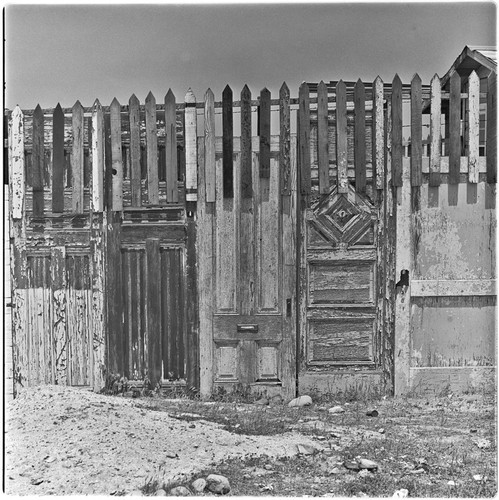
{"x": 63, "y": 441}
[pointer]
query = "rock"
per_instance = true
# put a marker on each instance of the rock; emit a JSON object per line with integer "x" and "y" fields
{"x": 381, "y": 431}
{"x": 372, "y": 413}
{"x": 198, "y": 485}
{"x": 218, "y": 484}
{"x": 402, "y": 493}
{"x": 336, "y": 410}
{"x": 473, "y": 431}
{"x": 480, "y": 477}
{"x": 306, "y": 449}
{"x": 180, "y": 491}
{"x": 161, "y": 493}
{"x": 171, "y": 455}
{"x": 262, "y": 402}
{"x": 364, "y": 463}
{"x": 351, "y": 465}
{"x": 451, "y": 483}
{"x": 483, "y": 444}
{"x": 364, "y": 473}
{"x": 268, "y": 466}
{"x": 36, "y": 481}
{"x": 300, "y": 401}
{"x": 335, "y": 470}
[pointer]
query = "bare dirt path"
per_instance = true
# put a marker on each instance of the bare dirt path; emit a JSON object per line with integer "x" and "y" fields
{"x": 61, "y": 440}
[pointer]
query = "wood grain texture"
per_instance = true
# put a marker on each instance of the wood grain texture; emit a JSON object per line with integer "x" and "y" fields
{"x": 98, "y": 159}
{"x": 360, "y": 136}
{"x": 209, "y": 172}
{"x": 246, "y": 160}
{"x": 492, "y": 129}
{"x": 322, "y": 138}
{"x": 116, "y": 157}
{"x": 473, "y": 127}
{"x": 135, "y": 173}
{"x": 378, "y": 135}
{"x": 397, "y": 148}
{"x": 16, "y": 164}
{"x": 152, "y": 151}
{"x": 228, "y": 150}
{"x": 435, "y": 132}
{"x": 58, "y": 163}
{"x": 37, "y": 162}
{"x": 284, "y": 140}
{"x": 59, "y": 310}
{"x": 264, "y": 133}
{"x": 171, "y": 148}
{"x": 304, "y": 139}
{"x": 108, "y": 164}
{"x": 416, "y": 132}
{"x": 454, "y": 151}
{"x": 341, "y": 137}
{"x": 191, "y": 153}
{"x": 153, "y": 311}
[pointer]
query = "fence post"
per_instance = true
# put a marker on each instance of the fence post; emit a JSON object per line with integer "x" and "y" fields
{"x": 190, "y": 147}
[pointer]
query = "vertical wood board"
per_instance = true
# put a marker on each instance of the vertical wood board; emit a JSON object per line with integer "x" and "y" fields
{"x": 492, "y": 129}
{"x": 37, "y": 162}
{"x": 246, "y": 160}
{"x": 416, "y": 132}
{"x": 341, "y": 137}
{"x": 135, "y": 172}
{"x": 152, "y": 150}
{"x": 284, "y": 140}
{"x": 58, "y": 163}
{"x": 322, "y": 138}
{"x": 171, "y": 148}
{"x": 397, "y": 148}
{"x": 264, "y": 133}
{"x": 190, "y": 147}
{"x": 304, "y": 139}
{"x": 435, "y": 132}
{"x": 454, "y": 152}
{"x": 473, "y": 127}
{"x": 227, "y": 143}
{"x": 98, "y": 159}
{"x": 209, "y": 172}
{"x": 116, "y": 157}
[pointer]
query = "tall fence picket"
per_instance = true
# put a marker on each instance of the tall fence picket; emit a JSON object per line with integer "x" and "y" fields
{"x": 397, "y": 148}
{"x": 341, "y": 137}
{"x": 416, "y": 132}
{"x": 116, "y": 156}
{"x": 378, "y": 134}
{"x": 135, "y": 173}
{"x": 58, "y": 162}
{"x": 209, "y": 147}
{"x": 435, "y": 132}
{"x": 264, "y": 133}
{"x": 152, "y": 151}
{"x": 284, "y": 140}
{"x": 77, "y": 155}
{"x": 246, "y": 159}
{"x": 304, "y": 139}
{"x": 227, "y": 143}
{"x": 171, "y": 148}
{"x": 454, "y": 129}
{"x": 360, "y": 137}
{"x": 37, "y": 162}
{"x": 473, "y": 127}
{"x": 98, "y": 159}
{"x": 322, "y": 138}
{"x": 191, "y": 159}
{"x": 491, "y": 140}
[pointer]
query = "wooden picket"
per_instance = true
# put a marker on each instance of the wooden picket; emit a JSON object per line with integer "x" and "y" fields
{"x": 416, "y": 132}
{"x": 322, "y": 133}
{"x": 492, "y": 129}
{"x": 360, "y": 137}
{"x": 341, "y": 137}
{"x": 228, "y": 148}
{"x": 435, "y": 132}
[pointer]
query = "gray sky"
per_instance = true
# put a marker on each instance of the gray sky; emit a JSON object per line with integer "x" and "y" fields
{"x": 57, "y": 53}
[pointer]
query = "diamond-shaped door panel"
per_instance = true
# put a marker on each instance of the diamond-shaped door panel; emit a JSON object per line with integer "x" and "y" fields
{"x": 341, "y": 218}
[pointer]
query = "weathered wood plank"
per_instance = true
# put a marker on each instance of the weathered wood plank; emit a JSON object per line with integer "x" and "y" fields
{"x": 397, "y": 147}
{"x": 322, "y": 138}
{"x": 284, "y": 139}
{"x": 209, "y": 173}
{"x": 171, "y": 148}
{"x": 360, "y": 137}
{"x": 491, "y": 129}
{"x": 264, "y": 133}
{"x": 17, "y": 182}
{"x": 304, "y": 139}
{"x": 191, "y": 153}
{"x": 108, "y": 164}
{"x": 135, "y": 173}
{"x": 454, "y": 151}
{"x": 341, "y": 137}
{"x": 473, "y": 127}
{"x": 378, "y": 135}
{"x": 153, "y": 311}
{"x": 453, "y": 288}
{"x": 37, "y": 162}
{"x": 116, "y": 156}
{"x": 228, "y": 149}
{"x": 59, "y": 309}
{"x": 416, "y": 132}
{"x": 58, "y": 160}
{"x": 435, "y": 132}
{"x": 98, "y": 160}
{"x": 246, "y": 160}
{"x": 152, "y": 151}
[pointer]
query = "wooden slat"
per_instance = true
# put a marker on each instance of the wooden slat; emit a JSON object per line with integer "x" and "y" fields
{"x": 38, "y": 159}
{"x": 264, "y": 133}
{"x": 435, "y": 132}
{"x": 284, "y": 140}
{"x": 98, "y": 162}
{"x": 58, "y": 162}
{"x": 416, "y": 132}
{"x": 397, "y": 148}
{"x": 378, "y": 135}
{"x": 228, "y": 149}
{"x": 322, "y": 138}
{"x": 304, "y": 139}
{"x": 116, "y": 156}
{"x": 360, "y": 137}
{"x": 152, "y": 151}
{"x": 153, "y": 311}
{"x": 246, "y": 160}
{"x": 135, "y": 174}
{"x": 454, "y": 151}
{"x": 171, "y": 148}
{"x": 492, "y": 129}
{"x": 108, "y": 164}
{"x": 341, "y": 136}
{"x": 209, "y": 174}
{"x": 473, "y": 127}
{"x": 191, "y": 153}
{"x": 59, "y": 310}
{"x": 16, "y": 164}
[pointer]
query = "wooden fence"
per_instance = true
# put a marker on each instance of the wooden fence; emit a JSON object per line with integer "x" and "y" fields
{"x": 116, "y": 252}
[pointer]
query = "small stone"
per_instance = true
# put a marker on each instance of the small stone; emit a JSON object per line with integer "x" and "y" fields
{"x": 49, "y": 460}
{"x": 483, "y": 444}
{"x": 335, "y": 470}
{"x": 161, "y": 493}
{"x": 372, "y": 413}
{"x": 336, "y": 410}
{"x": 381, "y": 431}
{"x": 364, "y": 463}
{"x": 402, "y": 493}
{"x": 451, "y": 483}
{"x": 300, "y": 401}
{"x": 36, "y": 481}
{"x": 268, "y": 466}
{"x": 364, "y": 473}
{"x": 473, "y": 431}
{"x": 171, "y": 455}
{"x": 306, "y": 449}
{"x": 262, "y": 402}
{"x": 351, "y": 465}
{"x": 199, "y": 485}
{"x": 192, "y": 426}
{"x": 218, "y": 484}
{"x": 180, "y": 491}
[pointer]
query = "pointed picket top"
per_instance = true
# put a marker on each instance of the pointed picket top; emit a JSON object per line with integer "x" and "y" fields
{"x": 170, "y": 96}
{"x": 265, "y": 92}
{"x": 38, "y": 112}
{"x": 416, "y": 78}
{"x": 77, "y": 107}
{"x": 97, "y": 105}
{"x": 209, "y": 96}
{"x": 473, "y": 127}
{"x": 303, "y": 87}
{"x": 284, "y": 90}
{"x": 16, "y": 112}
{"x": 322, "y": 87}
{"x": 190, "y": 98}
{"x": 133, "y": 100}
{"x": 246, "y": 92}
{"x": 473, "y": 78}
{"x": 115, "y": 104}
{"x": 58, "y": 109}
{"x": 396, "y": 80}
{"x": 150, "y": 98}
{"x": 378, "y": 81}
{"x": 341, "y": 86}
{"x": 359, "y": 84}
{"x": 227, "y": 91}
